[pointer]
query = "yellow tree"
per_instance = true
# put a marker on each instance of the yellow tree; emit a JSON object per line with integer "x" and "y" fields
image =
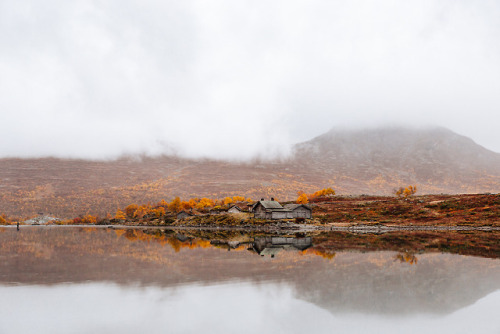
{"x": 3, "y": 221}
{"x": 159, "y": 211}
{"x": 120, "y": 215}
{"x": 410, "y": 190}
{"x": 302, "y": 199}
{"x": 329, "y": 192}
{"x": 405, "y": 192}
{"x": 175, "y": 205}
{"x": 185, "y": 206}
{"x": 130, "y": 209}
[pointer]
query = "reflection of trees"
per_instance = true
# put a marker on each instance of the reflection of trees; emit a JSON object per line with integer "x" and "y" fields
{"x": 328, "y": 254}
{"x": 477, "y": 243}
{"x": 327, "y": 244}
{"x": 408, "y": 257}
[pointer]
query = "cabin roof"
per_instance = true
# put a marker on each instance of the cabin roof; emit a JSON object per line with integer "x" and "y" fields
{"x": 235, "y": 206}
{"x": 269, "y": 204}
{"x": 292, "y": 207}
{"x": 184, "y": 212}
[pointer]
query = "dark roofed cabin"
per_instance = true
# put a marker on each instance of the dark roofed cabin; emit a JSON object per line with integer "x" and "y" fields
{"x": 273, "y": 210}
{"x": 235, "y": 209}
{"x": 264, "y": 209}
{"x": 299, "y": 211}
{"x": 183, "y": 215}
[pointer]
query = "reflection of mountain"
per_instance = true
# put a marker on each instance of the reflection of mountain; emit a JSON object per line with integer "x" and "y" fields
{"x": 349, "y": 281}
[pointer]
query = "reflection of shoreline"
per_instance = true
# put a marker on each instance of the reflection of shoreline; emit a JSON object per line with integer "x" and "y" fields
{"x": 290, "y": 227}
{"x": 328, "y": 274}
{"x": 324, "y": 243}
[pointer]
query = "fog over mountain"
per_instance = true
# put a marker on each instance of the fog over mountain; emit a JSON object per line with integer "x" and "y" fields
{"x": 236, "y": 80}
{"x": 373, "y": 161}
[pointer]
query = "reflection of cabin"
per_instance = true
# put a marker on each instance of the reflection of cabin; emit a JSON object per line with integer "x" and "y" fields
{"x": 273, "y": 210}
{"x": 270, "y": 246}
{"x": 183, "y": 215}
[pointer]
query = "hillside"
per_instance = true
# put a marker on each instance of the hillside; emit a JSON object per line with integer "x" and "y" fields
{"x": 376, "y": 161}
{"x": 352, "y": 162}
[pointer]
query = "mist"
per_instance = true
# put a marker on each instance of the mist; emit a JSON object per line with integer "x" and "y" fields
{"x": 235, "y": 80}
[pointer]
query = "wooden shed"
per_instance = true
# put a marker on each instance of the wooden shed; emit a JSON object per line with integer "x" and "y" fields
{"x": 183, "y": 215}
{"x": 273, "y": 210}
{"x": 299, "y": 211}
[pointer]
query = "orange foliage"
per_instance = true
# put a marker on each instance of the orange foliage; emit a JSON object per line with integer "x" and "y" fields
{"x": 205, "y": 203}
{"x": 120, "y": 215}
{"x": 406, "y": 192}
{"x": 89, "y": 219}
{"x": 3, "y": 220}
{"x": 407, "y": 257}
{"x": 320, "y": 252}
{"x": 159, "y": 212}
{"x": 186, "y": 206}
{"x": 130, "y": 210}
{"x": 323, "y": 193}
{"x": 175, "y": 205}
{"x": 302, "y": 199}
{"x": 142, "y": 211}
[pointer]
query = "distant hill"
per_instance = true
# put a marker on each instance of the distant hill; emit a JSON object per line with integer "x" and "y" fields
{"x": 375, "y": 161}
{"x": 352, "y": 162}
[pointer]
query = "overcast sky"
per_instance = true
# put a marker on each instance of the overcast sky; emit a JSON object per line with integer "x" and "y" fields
{"x": 233, "y": 79}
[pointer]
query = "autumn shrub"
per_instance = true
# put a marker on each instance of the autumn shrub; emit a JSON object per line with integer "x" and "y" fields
{"x": 405, "y": 192}
{"x": 3, "y": 221}
{"x": 130, "y": 210}
{"x": 302, "y": 199}
{"x": 88, "y": 219}
{"x": 306, "y": 198}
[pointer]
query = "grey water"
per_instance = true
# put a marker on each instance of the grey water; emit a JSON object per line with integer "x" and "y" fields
{"x": 101, "y": 280}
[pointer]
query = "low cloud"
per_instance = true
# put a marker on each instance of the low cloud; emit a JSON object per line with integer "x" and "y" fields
{"x": 229, "y": 79}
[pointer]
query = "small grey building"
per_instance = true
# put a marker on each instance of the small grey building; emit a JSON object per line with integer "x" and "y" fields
{"x": 235, "y": 209}
{"x": 299, "y": 211}
{"x": 183, "y": 215}
{"x": 268, "y": 210}
{"x": 273, "y": 210}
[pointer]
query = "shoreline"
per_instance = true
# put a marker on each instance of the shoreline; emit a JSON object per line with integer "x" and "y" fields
{"x": 296, "y": 228}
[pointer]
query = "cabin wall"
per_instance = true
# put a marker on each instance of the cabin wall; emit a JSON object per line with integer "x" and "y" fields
{"x": 302, "y": 212}
{"x": 234, "y": 210}
{"x": 278, "y": 215}
{"x": 260, "y": 212}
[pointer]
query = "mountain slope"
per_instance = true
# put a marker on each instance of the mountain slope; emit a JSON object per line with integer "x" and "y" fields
{"x": 352, "y": 162}
{"x": 437, "y": 160}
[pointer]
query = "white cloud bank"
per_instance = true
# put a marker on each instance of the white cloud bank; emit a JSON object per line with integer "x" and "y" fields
{"x": 234, "y": 79}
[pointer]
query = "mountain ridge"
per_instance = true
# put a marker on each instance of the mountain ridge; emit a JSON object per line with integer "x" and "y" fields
{"x": 373, "y": 161}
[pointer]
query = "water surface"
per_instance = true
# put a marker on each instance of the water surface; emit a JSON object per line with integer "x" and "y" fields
{"x": 100, "y": 280}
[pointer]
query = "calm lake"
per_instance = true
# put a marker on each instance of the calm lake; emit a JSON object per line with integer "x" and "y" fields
{"x": 110, "y": 280}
